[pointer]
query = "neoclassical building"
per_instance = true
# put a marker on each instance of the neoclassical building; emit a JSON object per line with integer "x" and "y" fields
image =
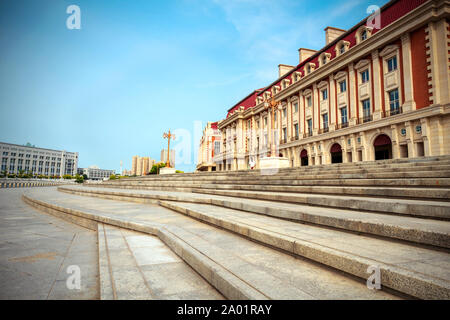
{"x": 209, "y": 146}
{"x": 377, "y": 91}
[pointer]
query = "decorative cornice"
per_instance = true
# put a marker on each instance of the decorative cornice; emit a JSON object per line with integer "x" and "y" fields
{"x": 362, "y": 63}
{"x": 389, "y": 49}
{"x": 340, "y": 75}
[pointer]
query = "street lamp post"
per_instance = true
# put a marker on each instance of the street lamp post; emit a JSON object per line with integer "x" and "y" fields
{"x": 272, "y": 105}
{"x": 168, "y": 136}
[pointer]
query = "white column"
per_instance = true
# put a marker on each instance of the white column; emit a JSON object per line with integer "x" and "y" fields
{"x": 352, "y": 90}
{"x": 410, "y": 139}
{"x": 408, "y": 75}
{"x": 395, "y": 145}
{"x": 378, "y": 95}
{"x": 332, "y": 104}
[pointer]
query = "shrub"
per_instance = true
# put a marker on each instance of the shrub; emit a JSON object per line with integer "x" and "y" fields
{"x": 112, "y": 177}
{"x": 156, "y": 167}
{"x": 179, "y": 171}
{"x": 79, "y": 179}
{"x": 67, "y": 176}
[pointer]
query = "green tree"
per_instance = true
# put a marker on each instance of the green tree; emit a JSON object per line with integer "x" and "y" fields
{"x": 156, "y": 167}
{"x": 78, "y": 178}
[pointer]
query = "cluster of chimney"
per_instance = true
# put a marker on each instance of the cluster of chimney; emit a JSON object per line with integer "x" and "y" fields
{"x": 331, "y": 34}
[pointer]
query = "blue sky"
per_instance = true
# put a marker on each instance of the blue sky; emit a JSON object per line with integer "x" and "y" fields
{"x": 139, "y": 67}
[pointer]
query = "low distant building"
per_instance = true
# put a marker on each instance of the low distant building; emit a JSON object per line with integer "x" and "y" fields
{"x": 126, "y": 172}
{"x": 171, "y": 158}
{"x": 95, "y": 173}
{"x": 141, "y": 166}
{"x": 16, "y": 158}
{"x": 209, "y": 146}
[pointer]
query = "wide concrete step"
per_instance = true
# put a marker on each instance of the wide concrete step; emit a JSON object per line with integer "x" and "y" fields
{"x": 374, "y": 165}
{"x": 429, "y": 208}
{"x": 295, "y": 172}
{"x": 411, "y": 182}
{"x": 304, "y": 176}
{"x": 138, "y": 266}
{"x": 421, "y": 231}
{"x": 442, "y": 194}
{"x": 237, "y": 267}
{"x": 420, "y": 272}
{"x": 419, "y": 208}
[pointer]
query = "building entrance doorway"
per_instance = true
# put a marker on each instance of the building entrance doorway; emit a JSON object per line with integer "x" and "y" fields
{"x": 336, "y": 153}
{"x": 304, "y": 158}
{"x": 383, "y": 147}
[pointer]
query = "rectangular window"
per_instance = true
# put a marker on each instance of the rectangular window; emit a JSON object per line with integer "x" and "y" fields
{"x": 284, "y": 113}
{"x": 325, "y": 94}
{"x": 394, "y": 102}
{"x": 5, "y": 153}
{"x": 392, "y": 64}
{"x": 275, "y": 117}
{"x": 310, "y": 126}
{"x": 366, "y": 110}
{"x": 365, "y": 76}
{"x": 284, "y": 134}
{"x": 343, "y": 86}
{"x": 325, "y": 120}
{"x": 364, "y": 35}
{"x": 265, "y": 121}
{"x": 296, "y": 130}
{"x": 309, "y": 101}
{"x": 344, "y": 115}
{"x": 296, "y": 107}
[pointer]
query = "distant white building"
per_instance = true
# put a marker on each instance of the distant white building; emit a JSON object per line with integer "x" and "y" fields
{"x": 16, "y": 158}
{"x": 95, "y": 173}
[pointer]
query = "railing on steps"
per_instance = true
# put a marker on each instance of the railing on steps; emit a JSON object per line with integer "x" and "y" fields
{"x": 27, "y": 184}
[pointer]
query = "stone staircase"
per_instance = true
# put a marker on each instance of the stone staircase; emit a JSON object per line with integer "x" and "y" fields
{"x": 302, "y": 233}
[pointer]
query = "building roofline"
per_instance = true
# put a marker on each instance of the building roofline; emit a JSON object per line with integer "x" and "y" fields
{"x": 18, "y": 145}
{"x": 248, "y": 96}
{"x": 345, "y": 34}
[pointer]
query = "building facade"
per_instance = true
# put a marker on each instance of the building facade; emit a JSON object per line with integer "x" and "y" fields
{"x": 210, "y": 144}
{"x": 95, "y": 173}
{"x": 38, "y": 161}
{"x": 141, "y": 166}
{"x": 377, "y": 91}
